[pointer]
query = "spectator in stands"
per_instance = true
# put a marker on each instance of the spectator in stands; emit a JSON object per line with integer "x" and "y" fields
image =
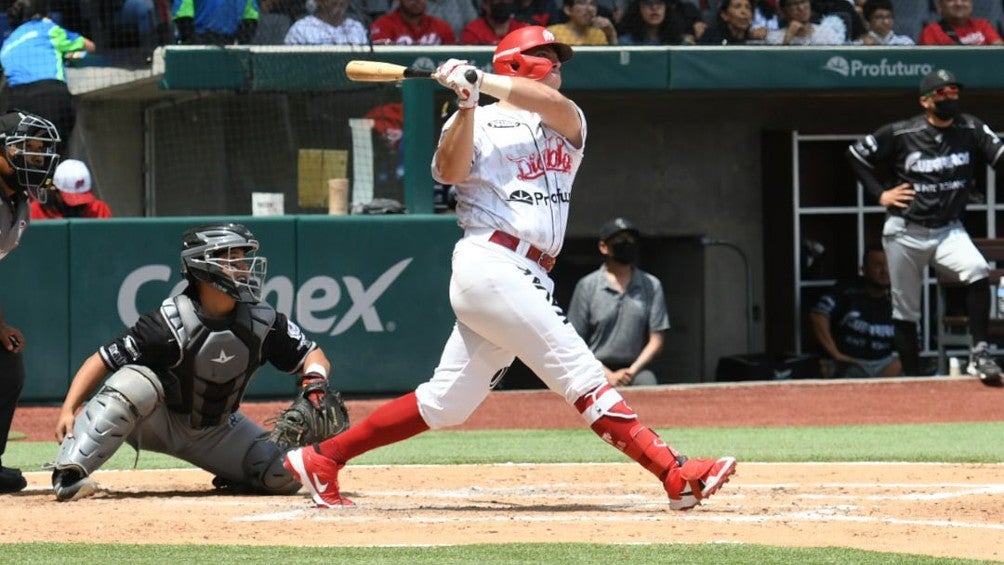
{"x": 957, "y": 26}
{"x": 650, "y": 22}
{"x": 215, "y": 22}
{"x": 853, "y": 322}
{"x": 584, "y": 25}
{"x": 535, "y": 12}
{"x": 457, "y": 13}
{"x": 410, "y": 25}
{"x": 854, "y": 24}
{"x": 879, "y": 15}
{"x": 765, "y": 19}
{"x": 32, "y": 60}
{"x": 495, "y": 23}
{"x": 133, "y": 24}
{"x": 328, "y": 25}
{"x": 733, "y": 26}
{"x": 801, "y": 28}
{"x": 71, "y": 195}
{"x": 620, "y": 310}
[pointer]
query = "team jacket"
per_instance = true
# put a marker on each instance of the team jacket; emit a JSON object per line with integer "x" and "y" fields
{"x": 940, "y": 164}
{"x": 521, "y": 178}
{"x": 35, "y": 51}
{"x": 206, "y": 364}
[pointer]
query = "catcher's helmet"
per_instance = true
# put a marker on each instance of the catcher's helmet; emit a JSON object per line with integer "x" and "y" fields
{"x": 208, "y": 255}
{"x": 29, "y": 143}
{"x": 509, "y": 58}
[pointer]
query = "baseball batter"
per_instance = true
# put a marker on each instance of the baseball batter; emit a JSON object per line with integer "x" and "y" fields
{"x": 933, "y": 158}
{"x": 179, "y": 374}
{"x": 513, "y": 163}
{"x": 29, "y": 157}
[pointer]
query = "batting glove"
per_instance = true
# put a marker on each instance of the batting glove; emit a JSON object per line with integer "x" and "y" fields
{"x": 452, "y": 75}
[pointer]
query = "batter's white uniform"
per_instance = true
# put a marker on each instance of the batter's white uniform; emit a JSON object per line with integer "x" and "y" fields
{"x": 521, "y": 184}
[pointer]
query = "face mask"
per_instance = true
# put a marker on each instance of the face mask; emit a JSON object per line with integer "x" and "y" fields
{"x": 502, "y": 11}
{"x": 624, "y": 252}
{"x": 946, "y": 109}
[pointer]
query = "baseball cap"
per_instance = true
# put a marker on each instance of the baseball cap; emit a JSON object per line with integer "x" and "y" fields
{"x": 74, "y": 182}
{"x": 617, "y": 225}
{"x": 936, "y": 79}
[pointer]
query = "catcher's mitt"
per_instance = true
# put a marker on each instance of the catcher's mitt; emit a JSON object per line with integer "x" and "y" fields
{"x": 303, "y": 424}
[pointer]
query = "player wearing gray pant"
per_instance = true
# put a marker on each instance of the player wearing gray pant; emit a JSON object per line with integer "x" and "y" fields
{"x": 180, "y": 372}
{"x": 932, "y": 157}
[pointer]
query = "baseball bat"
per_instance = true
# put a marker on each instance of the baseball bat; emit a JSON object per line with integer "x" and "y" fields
{"x": 376, "y": 71}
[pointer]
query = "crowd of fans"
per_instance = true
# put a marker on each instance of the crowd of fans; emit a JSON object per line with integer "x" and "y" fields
{"x": 148, "y": 23}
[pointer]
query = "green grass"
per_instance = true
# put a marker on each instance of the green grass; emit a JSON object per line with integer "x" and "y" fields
{"x": 958, "y": 443}
{"x": 952, "y": 443}
{"x": 578, "y": 554}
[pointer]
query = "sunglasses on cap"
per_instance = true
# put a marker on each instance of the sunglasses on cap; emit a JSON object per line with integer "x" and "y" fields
{"x": 944, "y": 91}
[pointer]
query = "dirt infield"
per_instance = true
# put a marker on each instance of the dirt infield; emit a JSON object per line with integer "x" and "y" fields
{"x": 933, "y": 509}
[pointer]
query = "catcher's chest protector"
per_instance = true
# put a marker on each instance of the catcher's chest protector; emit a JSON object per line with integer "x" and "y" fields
{"x": 216, "y": 364}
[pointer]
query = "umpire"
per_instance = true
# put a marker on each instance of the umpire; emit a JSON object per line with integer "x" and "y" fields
{"x": 932, "y": 160}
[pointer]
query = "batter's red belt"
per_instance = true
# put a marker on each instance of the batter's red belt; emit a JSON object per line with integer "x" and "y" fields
{"x": 512, "y": 242}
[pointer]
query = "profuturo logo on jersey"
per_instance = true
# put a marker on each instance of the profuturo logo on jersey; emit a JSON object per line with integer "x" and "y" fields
{"x": 315, "y": 301}
{"x": 884, "y": 68}
{"x": 916, "y": 164}
{"x": 553, "y": 157}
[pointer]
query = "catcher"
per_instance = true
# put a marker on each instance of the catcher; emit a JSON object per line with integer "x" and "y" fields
{"x": 178, "y": 376}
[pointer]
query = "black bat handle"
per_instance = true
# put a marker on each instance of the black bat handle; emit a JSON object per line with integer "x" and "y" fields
{"x": 471, "y": 76}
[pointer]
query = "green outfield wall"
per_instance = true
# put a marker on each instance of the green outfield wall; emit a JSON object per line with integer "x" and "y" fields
{"x": 371, "y": 291}
{"x": 598, "y": 68}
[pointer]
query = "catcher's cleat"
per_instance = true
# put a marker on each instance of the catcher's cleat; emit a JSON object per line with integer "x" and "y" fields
{"x": 319, "y": 474}
{"x": 11, "y": 480}
{"x": 71, "y": 484}
{"x": 697, "y": 479}
{"x": 982, "y": 364}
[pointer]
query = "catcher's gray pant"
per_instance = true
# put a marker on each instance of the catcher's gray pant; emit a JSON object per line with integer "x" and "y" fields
{"x": 910, "y": 247}
{"x": 130, "y": 404}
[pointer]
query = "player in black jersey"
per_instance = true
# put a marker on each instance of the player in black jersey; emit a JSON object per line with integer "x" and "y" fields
{"x": 933, "y": 158}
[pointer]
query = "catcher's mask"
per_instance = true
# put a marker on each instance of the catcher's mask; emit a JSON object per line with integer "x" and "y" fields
{"x": 224, "y": 256}
{"x": 29, "y": 143}
{"x": 509, "y": 56}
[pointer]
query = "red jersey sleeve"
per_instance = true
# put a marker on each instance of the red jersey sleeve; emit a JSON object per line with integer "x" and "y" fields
{"x": 934, "y": 35}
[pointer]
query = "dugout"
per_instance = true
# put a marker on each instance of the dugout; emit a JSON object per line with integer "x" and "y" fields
{"x": 687, "y": 142}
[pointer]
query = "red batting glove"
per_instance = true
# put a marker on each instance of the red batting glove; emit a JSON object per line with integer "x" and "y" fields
{"x": 313, "y": 387}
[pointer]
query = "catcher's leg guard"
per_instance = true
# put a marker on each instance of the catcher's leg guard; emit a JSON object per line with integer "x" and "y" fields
{"x": 263, "y": 469}
{"x": 128, "y": 396}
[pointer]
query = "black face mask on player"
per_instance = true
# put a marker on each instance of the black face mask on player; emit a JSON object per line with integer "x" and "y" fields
{"x": 947, "y": 109}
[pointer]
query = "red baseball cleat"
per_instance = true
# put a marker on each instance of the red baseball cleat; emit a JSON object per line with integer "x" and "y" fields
{"x": 696, "y": 480}
{"x": 319, "y": 474}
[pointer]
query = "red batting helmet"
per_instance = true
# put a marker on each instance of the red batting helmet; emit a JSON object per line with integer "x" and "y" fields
{"x": 509, "y": 58}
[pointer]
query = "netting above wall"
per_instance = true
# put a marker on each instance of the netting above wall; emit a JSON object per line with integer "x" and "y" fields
{"x": 211, "y": 153}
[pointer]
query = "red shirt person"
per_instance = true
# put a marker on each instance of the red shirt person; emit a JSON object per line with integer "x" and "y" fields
{"x": 495, "y": 23}
{"x": 72, "y": 197}
{"x": 410, "y": 25}
{"x": 958, "y": 27}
